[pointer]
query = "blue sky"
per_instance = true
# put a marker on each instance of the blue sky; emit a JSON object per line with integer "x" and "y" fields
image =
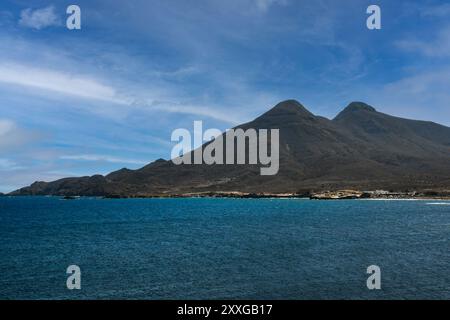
{"x": 109, "y": 95}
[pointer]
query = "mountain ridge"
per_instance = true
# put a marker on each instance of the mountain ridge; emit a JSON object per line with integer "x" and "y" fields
{"x": 360, "y": 148}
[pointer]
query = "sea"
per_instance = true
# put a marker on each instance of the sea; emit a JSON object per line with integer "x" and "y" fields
{"x": 200, "y": 248}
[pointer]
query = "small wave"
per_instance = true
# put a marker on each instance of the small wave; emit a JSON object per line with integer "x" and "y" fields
{"x": 439, "y": 203}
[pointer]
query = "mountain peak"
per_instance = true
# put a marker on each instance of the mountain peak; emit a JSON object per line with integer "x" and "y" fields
{"x": 363, "y": 150}
{"x": 355, "y": 107}
{"x": 288, "y": 108}
{"x": 358, "y": 106}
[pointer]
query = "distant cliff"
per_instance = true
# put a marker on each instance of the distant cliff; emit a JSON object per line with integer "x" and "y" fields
{"x": 361, "y": 149}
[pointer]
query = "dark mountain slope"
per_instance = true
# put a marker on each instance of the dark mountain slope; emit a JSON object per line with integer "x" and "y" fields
{"x": 381, "y": 130}
{"x": 406, "y": 146}
{"x": 361, "y": 148}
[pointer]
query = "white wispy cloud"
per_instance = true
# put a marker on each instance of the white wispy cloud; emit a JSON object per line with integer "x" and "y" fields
{"x": 6, "y": 126}
{"x": 439, "y": 46}
{"x": 422, "y": 83}
{"x": 186, "y": 108}
{"x": 89, "y": 87}
{"x": 12, "y": 136}
{"x": 264, "y": 5}
{"x": 61, "y": 82}
{"x": 420, "y": 95}
{"x": 6, "y": 164}
{"x": 178, "y": 73}
{"x": 106, "y": 158}
{"x": 39, "y": 18}
{"x": 442, "y": 10}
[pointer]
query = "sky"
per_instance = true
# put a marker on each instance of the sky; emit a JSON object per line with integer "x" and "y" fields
{"x": 108, "y": 96}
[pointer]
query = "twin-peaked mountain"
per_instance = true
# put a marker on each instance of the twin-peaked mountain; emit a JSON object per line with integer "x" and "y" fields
{"x": 359, "y": 149}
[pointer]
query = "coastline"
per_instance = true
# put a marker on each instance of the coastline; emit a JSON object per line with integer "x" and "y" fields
{"x": 324, "y": 196}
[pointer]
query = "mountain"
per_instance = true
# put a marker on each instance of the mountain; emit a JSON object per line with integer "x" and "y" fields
{"x": 360, "y": 149}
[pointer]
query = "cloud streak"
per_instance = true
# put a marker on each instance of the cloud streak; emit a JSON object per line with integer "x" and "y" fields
{"x": 40, "y": 18}
{"x": 83, "y": 87}
{"x": 437, "y": 47}
{"x": 264, "y": 5}
{"x": 439, "y": 11}
{"x": 13, "y": 137}
{"x": 106, "y": 158}
{"x": 6, "y": 164}
{"x": 86, "y": 87}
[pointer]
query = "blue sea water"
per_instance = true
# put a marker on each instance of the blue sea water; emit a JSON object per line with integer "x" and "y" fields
{"x": 223, "y": 248}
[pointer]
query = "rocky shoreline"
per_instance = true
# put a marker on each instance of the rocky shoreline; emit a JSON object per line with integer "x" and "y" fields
{"x": 325, "y": 195}
{"x": 322, "y": 195}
